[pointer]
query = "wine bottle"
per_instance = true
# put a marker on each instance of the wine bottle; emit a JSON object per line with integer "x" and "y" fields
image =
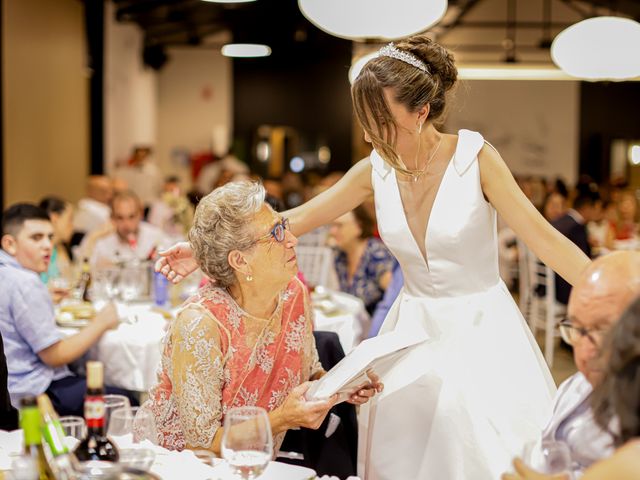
{"x": 30, "y": 422}
{"x": 62, "y": 462}
{"x": 85, "y": 280}
{"x": 96, "y": 445}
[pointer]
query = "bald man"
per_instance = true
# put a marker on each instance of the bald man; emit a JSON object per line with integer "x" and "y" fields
{"x": 93, "y": 210}
{"x": 605, "y": 289}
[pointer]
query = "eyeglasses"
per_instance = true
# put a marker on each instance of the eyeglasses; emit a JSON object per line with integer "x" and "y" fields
{"x": 277, "y": 232}
{"x": 572, "y": 334}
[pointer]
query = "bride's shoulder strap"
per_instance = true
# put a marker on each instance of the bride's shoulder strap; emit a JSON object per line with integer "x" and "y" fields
{"x": 469, "y": 145}
{"x": 378, "y": 164}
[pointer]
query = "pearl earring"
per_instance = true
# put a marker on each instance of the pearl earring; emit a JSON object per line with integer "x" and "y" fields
{"x": 249, "y": 278}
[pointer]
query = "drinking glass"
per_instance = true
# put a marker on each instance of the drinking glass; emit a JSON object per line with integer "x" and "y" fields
{"x": 113, "y": 402}
{"x": 134, "y": 421}
{"x": 74, "y": 427}
{"x": 247, "y": 444}
{"x": 548, "y": 457}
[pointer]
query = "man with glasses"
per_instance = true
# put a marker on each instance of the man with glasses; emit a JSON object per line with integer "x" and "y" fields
{"x": 597, "y": 301}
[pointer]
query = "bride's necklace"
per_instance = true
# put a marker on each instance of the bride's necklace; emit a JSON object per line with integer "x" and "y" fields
{"x": 415, "y": 174}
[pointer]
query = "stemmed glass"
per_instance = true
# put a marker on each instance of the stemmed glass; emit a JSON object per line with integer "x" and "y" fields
{"x": 548, "y": 457}
{"x": 247, "y": 444}
{"x": 137, "y": 422}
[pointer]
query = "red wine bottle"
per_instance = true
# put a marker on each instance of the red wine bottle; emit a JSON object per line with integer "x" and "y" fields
{"x": 96, "y": 446}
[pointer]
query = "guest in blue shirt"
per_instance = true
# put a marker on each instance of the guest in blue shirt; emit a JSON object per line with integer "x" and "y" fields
{"x": 37, "y": 354}
{"x": 363, "y": 264}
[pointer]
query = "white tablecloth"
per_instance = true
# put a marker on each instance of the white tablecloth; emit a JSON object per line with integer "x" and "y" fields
{"x": 168, "y": 465}
{"x": 131, "y": 353}
{"x": 343, "y": 314}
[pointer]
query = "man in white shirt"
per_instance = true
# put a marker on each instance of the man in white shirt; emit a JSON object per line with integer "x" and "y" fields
{"x": 93, "y": 210}
{"x": 605, "y": 289}
{"x": 132, "y": 239}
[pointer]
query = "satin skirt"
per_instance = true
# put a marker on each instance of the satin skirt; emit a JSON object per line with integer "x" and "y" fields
{"x": 464, "y": 403}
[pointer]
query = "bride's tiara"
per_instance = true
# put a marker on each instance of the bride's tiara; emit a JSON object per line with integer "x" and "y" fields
{"x": 390, "y": 50}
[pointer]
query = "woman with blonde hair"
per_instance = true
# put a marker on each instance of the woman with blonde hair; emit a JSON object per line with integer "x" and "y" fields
{"x": 460, "y": 405}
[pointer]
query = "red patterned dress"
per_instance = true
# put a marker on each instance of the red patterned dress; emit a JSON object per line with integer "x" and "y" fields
{"x": 217, "y": 356}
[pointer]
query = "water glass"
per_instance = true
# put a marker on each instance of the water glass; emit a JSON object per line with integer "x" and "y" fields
{"x": 550, "y": 457}
{"x": 74, "y": 427}
{"x": 247, "y": 444}
{"x": 134, "y": 421}
{"x": 113, "y": 402}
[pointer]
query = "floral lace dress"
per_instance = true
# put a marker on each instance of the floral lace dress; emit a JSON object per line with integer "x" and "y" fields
{"x": 217, "y": 356}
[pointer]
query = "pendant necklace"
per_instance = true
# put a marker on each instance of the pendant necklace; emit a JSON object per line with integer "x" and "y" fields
{"x": 415, "y": 174}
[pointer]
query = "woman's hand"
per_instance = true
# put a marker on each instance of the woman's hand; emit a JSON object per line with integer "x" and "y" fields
{"x": 176, "y": 262}
{"x": 525, "y": 473}
{"x": 364, "y": 392}
{"x": 296, "y": 411}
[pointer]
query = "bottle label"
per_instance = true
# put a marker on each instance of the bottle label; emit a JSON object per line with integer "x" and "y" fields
{"x": 54, "y": 435}
{"x": 94, "y": 411}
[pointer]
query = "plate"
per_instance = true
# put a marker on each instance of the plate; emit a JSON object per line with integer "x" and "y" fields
{"x": 274, "y": 471}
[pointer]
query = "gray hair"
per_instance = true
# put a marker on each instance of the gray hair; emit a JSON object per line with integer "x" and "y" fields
{"x": 222, "y": 223}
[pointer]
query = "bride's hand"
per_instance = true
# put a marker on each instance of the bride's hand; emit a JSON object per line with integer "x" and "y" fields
{"x": 176, "y": 262}
{"x": 364, "y": 392}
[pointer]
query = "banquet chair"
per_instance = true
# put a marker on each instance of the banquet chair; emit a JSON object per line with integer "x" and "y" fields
{"x": 537, "y": 302}
{"x": 332, "y": 448}
{"x": 316, "y": 264}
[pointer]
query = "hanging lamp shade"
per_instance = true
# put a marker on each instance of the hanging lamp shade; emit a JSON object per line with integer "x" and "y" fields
{"x": 364, "y": 19}
{"x": 599, "y": 48}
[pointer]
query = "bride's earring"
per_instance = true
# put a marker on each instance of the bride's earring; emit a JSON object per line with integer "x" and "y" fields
{"x": 419, "y": 128}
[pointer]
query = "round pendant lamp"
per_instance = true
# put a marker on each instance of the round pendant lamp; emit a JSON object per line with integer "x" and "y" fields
{"x": 368, "y": 19}
{"x": 599, "y": 48}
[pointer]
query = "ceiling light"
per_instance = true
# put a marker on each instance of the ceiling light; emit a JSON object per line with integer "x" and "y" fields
{"x": 502, "y": 71}
{"x": 364, "y": 19}
{"x": 634, "y": 154}
{"x": 600, "y": 48}
{"x": 356, "y": 67}
{"x": 245, "y": 50}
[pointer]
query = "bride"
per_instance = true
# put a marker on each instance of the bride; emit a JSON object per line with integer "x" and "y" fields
{"x": 463, "y": 403}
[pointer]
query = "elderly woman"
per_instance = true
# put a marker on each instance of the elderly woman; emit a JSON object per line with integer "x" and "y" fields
{"x": 245, "y": 338}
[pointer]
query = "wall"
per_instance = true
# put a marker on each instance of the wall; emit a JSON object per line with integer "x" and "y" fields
{"x": 195, "y": 94}
{"x": 533, "y": 124}
{"x": 45, "y": 92}
{"x": 130, "y": 92}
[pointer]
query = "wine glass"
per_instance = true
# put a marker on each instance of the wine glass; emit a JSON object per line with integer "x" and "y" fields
{"x": 73, "y": 426}
{"x": 548, "y": 457}
{"x": 247, "y": 444}
{"x": 134, "y": 421}
{"x": 113, "y": 402}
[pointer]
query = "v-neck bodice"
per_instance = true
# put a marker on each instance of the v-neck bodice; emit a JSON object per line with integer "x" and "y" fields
{"x": 460, "y": 237}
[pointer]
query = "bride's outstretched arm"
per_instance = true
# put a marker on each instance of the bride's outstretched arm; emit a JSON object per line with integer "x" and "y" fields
{"x": 553, "y": 248}
{"x": 349, "y": 192}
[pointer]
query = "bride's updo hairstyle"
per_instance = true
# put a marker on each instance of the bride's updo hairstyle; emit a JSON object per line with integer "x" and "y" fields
{"x": 413, "y": 88}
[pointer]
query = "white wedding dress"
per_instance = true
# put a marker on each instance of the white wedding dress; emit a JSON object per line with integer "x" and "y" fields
{"x": 463, "y": 404}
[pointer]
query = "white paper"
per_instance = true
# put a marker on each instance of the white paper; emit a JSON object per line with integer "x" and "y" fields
{"x": 377, "y": 354}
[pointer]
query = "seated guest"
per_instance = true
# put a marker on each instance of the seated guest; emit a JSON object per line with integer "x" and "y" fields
{"x": 362, "y": 262}
{"x": 61, "y": 216}
{"x": 37, "y": 353}
{"x": 246, "y": 338}
{"x": 172, "y": 212}
{"x": 133, "y": 239}
{"x": 605, "y": 289}
{"x": 93, "y": 210}
{"x": 573, "y": 225}
{"x": 615, "y": 404}
{"x": 625, "y": 227}
{"x": 383, "y": 307}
